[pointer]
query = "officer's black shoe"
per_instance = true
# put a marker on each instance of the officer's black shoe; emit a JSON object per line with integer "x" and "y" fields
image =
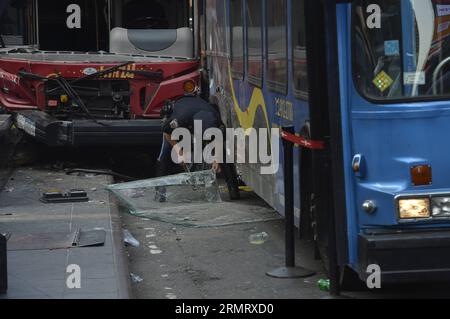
{"x": 234, "y": 194}
{"x": 160, "y": 195}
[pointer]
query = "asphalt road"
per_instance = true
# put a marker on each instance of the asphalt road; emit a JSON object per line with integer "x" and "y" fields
{"x": 219, "y": 262}
{"x": 176, "y": 262}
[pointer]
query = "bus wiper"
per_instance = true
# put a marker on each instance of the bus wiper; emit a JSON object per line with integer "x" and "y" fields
{"x": 102, "y": 73}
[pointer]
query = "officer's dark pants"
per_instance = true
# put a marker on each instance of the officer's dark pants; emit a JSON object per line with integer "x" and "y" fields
{"x": 165, "y": 165}
{"x": 231, "y": 178}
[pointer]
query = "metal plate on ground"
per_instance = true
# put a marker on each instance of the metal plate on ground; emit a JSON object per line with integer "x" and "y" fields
{"x": 92, "y": 238}
{"x": 53, "y": 241}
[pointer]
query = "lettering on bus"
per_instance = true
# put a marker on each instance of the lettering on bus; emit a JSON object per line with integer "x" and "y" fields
{"x": 285, "y": 109}
{"x": 74, "y": 19}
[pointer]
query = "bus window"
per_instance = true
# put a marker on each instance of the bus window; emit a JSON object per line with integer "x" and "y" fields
{"x": 155, "y": 14}
{"x": 299, "y": 49}
{"x": 277, "y": 75}
{"x": 401, "y": 48}
{"x": 254, "y": 41}
{"x": 237, "y": 39}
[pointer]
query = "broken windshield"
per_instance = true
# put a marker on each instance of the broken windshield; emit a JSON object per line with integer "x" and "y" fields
{"x": 85, "y": 25}
{"x": 402, "y": 48}
{"x": 154, "y": 14}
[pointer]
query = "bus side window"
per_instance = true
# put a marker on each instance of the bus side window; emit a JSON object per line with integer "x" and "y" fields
{"x": 254, "y": 42}
{"x": 300, "y": 62}
{"x": 277, "y": 75}
{"x": 237, "y": 39}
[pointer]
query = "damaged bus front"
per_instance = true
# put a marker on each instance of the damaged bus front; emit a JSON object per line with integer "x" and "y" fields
{"x": 96, "y": 72}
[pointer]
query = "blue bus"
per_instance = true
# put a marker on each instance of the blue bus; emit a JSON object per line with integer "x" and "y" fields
{"x": 366, "y": 85}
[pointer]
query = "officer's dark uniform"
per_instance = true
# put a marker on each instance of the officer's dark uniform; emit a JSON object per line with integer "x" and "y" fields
{"x": 183, "y": 114}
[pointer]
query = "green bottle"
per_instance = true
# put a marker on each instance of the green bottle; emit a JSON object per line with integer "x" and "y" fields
{"x": 324, "y": 284}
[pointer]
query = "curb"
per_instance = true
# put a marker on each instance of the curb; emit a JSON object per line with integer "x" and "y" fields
{"x": 120, "y": 254}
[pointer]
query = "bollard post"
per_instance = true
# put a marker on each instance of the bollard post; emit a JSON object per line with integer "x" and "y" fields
{"x": 290, "y": 270}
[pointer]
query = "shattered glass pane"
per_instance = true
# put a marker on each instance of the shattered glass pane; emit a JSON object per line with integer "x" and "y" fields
{"x": 163, "y": 198}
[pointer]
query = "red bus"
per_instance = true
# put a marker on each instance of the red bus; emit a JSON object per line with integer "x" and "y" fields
{"x": 96, "y": 72}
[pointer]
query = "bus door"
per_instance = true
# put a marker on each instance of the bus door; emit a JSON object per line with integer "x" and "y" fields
{"x": 395, "y": 72}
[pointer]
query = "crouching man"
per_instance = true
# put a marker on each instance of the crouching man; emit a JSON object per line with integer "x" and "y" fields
{"x": 183, "y": 114}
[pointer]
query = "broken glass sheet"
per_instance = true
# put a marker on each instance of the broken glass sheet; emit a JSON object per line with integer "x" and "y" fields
{"x": 161, "y": 198}
{"x": 189, "y": 200}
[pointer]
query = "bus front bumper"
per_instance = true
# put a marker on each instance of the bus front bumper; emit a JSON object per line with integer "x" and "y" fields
{"x": 53, "y": 132}
{"x": 407, "y": 257}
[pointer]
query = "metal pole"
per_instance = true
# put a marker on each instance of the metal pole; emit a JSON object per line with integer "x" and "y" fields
{"x": 289, "y": 200}
{"x": 3, "y": 265}
{"x": 290, "y": 270}
{"x": 37, "y": 23}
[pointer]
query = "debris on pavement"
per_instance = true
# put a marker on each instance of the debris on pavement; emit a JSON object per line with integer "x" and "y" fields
{"x": 129, "y": 239}
{"x": 9, "y": 190}
{"x": 74, "y": 196}
{"x": 259, "y": 239}
{"x": 136, "y": 279}
{"x": 324, "y": 285}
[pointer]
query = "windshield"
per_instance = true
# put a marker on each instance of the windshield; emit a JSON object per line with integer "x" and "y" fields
{"x": 155, "y": 14}
{"x": 85, "y": 25}
{"x": 402, "y": 48}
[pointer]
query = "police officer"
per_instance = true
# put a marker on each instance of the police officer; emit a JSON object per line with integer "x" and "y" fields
{"x": 183, "y": 114}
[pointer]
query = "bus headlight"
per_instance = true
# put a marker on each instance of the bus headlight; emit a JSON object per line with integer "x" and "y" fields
{"x": 414, "y": 208}
{"x": 189, "y": 87}
{"x": 440, "y": 206}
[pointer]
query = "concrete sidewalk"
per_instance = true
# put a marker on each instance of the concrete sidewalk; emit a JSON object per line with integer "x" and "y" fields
{"x": 42, "y": 273}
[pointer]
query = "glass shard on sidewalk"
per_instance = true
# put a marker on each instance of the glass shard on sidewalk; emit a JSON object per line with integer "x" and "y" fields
{"x": 163, "y": 198}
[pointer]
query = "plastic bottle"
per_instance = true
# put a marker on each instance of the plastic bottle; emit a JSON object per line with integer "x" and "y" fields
{"x": 324, "y": 284}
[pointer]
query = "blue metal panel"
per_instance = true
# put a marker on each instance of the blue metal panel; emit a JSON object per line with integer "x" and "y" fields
{"x": 244, "y": 92}
{"x": 343, "y": 12}
{"x": 392, "y": 138}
